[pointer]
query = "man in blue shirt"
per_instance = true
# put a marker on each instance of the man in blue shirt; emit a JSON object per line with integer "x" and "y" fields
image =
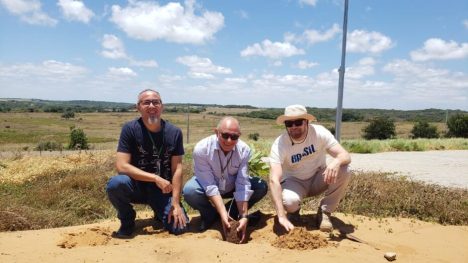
{"x": 149, "y": 163}
{"x": 221, "y": 171}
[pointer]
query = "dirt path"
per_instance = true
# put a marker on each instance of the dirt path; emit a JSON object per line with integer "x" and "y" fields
{"x": 448, "y": 168}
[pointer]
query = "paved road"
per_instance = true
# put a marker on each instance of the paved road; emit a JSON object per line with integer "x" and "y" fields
{"x": 448, "y": 168}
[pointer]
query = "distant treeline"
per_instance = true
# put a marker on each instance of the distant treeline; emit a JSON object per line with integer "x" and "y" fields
{"x": 322, "y": 114}
{"x": 36, "y": 105}
{"x": 327, "y": 114}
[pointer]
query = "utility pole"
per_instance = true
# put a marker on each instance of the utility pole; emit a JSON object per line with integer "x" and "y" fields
{"x": 339, "y": 107}
{"x": 188, "y": 123}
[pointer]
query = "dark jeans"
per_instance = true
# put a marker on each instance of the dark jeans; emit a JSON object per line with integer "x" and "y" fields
{"x": 195, "y": 196}
{"x": 122, "y": 191}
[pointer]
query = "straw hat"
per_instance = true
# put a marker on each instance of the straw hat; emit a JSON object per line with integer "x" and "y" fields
{"x": 294, "y": 112}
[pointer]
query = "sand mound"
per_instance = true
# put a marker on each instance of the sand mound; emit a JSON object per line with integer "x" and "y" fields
{"x": 95, "y": 236}
{"x": 301, "y": 239}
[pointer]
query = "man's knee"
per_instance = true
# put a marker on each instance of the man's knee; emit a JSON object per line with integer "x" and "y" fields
{"x": 117, "y": 183}
{"x": 261, "y": 188}
{"x": 291, "y": 201}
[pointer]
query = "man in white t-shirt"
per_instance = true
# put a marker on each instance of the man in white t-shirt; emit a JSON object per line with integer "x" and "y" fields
{"x": 298, "y": 168}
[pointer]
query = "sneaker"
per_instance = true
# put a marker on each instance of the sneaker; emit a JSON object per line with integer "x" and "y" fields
{"x": 295, "y": 217}
{"x": 324, "y": 220}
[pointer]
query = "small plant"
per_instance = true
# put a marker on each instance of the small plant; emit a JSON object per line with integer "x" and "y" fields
{"x": 256, "y": 165}
{"x": 78, "y": 140}
{"x": 422, "y": 129}
{"x": 458, "y": 125}
{"x": 254, "y": 136}
{"x": 380, "y": 128}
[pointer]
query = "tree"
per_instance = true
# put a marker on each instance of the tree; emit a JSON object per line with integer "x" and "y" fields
{"x": 78, "y": 139}
{"x": 458, "y": 125}
{"x": 422, "y": 129}
{"x": 380, "y": 128}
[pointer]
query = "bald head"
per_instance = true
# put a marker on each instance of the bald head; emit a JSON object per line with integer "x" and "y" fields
{"x": 229, "y": 123}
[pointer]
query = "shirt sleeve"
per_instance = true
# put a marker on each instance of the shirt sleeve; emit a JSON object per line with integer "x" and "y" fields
{"x": 125, "y": 139}
{"x": 327, "y": 138}
{"x": 243, "y": 190}
{"x": 275, "y": 152}
{"x": 204, "y": 172}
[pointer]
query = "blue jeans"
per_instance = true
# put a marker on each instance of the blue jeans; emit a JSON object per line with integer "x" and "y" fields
{"x": 195, "y": 196}
{"x": 122, "y": 191}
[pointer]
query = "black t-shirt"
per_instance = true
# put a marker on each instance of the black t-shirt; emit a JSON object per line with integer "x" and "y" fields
{"x": 135, "y": 140}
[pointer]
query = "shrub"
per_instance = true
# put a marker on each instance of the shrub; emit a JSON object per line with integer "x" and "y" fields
{"x": 380, "y": 128}
{"x": 422, "y": 129}
{"x": 49, "y": 146}
{"x": 78, "y": 140}
{"x": 254, "y": 136}
{"x": 68, "y": 115}
{"x": 458, "y": 125}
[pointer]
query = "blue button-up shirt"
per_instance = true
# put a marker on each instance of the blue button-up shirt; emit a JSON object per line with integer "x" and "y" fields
{"x": 207, "y": 167}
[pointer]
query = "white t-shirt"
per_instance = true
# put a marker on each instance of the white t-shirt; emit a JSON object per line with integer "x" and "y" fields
{"x": 303, "y": 160}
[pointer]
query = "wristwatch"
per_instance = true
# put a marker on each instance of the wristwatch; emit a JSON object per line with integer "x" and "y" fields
{"x": 244, "y": 216}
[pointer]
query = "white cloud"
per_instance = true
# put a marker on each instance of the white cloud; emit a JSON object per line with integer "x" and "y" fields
{"x": 274, "y": 50}
{"x": 308, "y": 2}
{"x": 368, "y": 42}
{"x": 114, "y": 49}
{"x": 313, "y": 36}
{"x": 122, "y": 72}
{"x": 202, "y": 67}
{"x": 243, "y": 14}
{"x": 75, "y": 10}
{"x": 51, "y": 70}
{"x": 304, "y": 64}
{"x": 172, "y": 22}
{"x": 438, "y": 49}
{"x": 29, "y": 11}
{"x": 365, "y": 67}
{"x": 465, "y": 23}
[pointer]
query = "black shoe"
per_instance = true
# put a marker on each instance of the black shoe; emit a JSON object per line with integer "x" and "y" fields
{"x": 204, "y": 225}
{"x": 124, "y": 232}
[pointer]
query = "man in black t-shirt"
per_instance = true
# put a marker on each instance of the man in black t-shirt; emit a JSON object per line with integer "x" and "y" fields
{"x": 149, "y": 163}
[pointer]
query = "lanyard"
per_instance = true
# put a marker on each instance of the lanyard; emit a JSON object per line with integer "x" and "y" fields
{"x": 155, "y": 150}
{"x": 221, "y": 164}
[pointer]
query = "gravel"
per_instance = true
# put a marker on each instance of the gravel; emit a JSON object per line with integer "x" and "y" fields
{"x": 447, "y": 168}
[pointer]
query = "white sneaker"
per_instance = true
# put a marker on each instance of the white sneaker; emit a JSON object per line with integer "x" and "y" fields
{"x": 325, "y": 224}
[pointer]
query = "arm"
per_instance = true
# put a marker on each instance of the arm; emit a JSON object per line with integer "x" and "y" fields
{"x": 340, "y": 157}
{"x": 124, "y": 166}
{"x": 180, "y": 221}
{"x": 276, "y": 173}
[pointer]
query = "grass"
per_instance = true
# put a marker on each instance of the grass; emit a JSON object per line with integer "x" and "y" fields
{"x": 52, "y": 191}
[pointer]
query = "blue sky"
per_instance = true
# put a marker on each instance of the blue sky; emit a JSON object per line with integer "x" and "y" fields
{"x": 400, "y": 54}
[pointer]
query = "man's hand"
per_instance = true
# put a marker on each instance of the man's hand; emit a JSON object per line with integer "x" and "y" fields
{"x": 177, "y": 215}
{"x": 283, "y": 220}
{"x": 242, "y": 228}
{"x": 225, "y": 223}
{"x": 163, "y": 184}
{"x": 330, "y": 174}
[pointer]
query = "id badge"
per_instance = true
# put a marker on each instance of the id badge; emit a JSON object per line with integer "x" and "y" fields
{"x": 157, "y": 167}
{"x": 222, "y": 184}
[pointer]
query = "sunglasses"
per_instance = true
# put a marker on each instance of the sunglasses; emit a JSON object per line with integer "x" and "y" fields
{"x": 289, "y": 124}
{"x": 149, "y": 102}
{"x": 233, "y": 137}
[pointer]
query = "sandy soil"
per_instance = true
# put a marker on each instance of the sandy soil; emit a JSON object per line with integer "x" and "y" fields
{"x": 412, "y": 241}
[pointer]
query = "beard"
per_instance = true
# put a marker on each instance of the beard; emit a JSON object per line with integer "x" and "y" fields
{"x": 153, "y": 120}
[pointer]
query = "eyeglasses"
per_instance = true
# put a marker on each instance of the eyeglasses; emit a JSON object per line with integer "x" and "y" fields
{"x": 149, "y": 102}
{"x": 289, "y": 124}
{"x": 233, "y": 137}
